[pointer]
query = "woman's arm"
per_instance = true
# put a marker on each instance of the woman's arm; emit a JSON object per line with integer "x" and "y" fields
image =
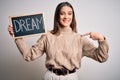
{"x": 99, "y": 53}
{"x": 29, "y": 53}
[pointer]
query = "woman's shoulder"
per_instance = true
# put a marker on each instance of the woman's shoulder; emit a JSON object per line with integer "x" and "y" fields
{"x": 44, "y": 36}
{"x": 79, "y": 35}
{"x": 47, "y": 34}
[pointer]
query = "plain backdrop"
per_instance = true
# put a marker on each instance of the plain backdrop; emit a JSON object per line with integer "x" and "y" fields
{"x": 92, "y": 15}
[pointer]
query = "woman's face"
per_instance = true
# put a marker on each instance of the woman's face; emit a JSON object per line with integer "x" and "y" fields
{"x": 66, "y": 15}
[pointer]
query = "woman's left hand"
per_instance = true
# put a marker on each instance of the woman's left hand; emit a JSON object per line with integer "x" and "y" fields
{"x": 95, "y": 36}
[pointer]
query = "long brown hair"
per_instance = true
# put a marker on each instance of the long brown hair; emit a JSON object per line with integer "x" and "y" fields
{"x": 57, "y": 17}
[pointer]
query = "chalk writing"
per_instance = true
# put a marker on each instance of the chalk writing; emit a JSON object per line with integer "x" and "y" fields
{"x": 28, "y": 25}
{"x": 25, "y": 24}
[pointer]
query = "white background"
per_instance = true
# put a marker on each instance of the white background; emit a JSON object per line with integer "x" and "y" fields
{"x": 92, "y": 15}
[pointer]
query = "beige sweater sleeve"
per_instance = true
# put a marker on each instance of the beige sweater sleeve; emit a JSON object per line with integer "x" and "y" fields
{"x": 31, "y": 53}
{"x": 99, "y": 53}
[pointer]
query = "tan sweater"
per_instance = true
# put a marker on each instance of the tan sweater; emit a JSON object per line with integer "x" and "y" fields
{"x": 65, "y": 49}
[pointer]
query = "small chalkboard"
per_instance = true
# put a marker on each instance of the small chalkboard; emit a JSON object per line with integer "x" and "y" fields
{"x": 26, "y": 25}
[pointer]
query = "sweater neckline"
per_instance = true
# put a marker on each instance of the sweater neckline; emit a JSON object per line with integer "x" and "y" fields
{"x": 65, "y": 30}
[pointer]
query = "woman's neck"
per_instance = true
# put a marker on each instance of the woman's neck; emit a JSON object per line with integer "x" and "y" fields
{"x": 65, "y": 29}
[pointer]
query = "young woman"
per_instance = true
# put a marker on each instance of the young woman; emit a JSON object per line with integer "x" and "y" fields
{"x": 63, "y": 46}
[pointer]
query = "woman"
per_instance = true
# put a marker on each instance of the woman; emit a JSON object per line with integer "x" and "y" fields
{"x": 63, "y": 46}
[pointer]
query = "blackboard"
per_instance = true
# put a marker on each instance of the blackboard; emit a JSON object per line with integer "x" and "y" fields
{"x": 26, "y": 25}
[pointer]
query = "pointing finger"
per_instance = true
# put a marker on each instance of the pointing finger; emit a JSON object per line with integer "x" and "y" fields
{"x": 86, "y": 34}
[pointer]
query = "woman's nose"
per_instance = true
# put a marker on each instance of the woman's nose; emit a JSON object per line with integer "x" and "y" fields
{"x": 66, "y": 16}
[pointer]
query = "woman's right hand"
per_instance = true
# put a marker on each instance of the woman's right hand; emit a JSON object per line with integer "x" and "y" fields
{"x": 10, "y": 30}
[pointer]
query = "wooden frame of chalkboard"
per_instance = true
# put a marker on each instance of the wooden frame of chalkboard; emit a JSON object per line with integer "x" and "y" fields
{"x": 28, "y": 25}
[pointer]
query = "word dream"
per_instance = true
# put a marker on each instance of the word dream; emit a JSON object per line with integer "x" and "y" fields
{"x": 27, "y": 24}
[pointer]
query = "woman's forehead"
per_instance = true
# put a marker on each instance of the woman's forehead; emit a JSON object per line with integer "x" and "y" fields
{"x": 66, "y": 8}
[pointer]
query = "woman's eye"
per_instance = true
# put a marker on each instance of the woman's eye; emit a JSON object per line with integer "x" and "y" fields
{"x": 69, "y": 13}
{"x": 61, "y": 13}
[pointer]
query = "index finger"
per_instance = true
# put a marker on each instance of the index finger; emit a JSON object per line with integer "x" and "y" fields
{"x": 86, "y": 34}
